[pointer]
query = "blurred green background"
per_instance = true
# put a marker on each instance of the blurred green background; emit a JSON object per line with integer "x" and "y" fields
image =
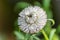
{"x": 8, "y": 16}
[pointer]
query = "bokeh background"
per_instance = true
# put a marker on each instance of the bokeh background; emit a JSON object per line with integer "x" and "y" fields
{"x": 7, "y": 16}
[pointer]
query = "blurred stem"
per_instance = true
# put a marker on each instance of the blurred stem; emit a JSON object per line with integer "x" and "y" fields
{"x": 45, "y": 35}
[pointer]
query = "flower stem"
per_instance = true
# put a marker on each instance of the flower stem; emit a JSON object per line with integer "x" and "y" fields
{"x": 45, "y": 35}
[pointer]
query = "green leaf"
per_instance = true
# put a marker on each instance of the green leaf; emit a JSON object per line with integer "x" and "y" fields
{"x": 55, "y": 37}
{"x": 49, "y": 14}
{"x": 31, "y": 38}
{"x": 27, "y": 36}
{"x": 35, "y": 37}
{"x": 52, "y": 34}
{"x": 37, "y": 3}
{"x": 58, "y": 29}
{"x": 46, "y": 7}
{"x": 19, "y": 35}
{"x": 20, "y": 5}
{"x": 46, "y": 4}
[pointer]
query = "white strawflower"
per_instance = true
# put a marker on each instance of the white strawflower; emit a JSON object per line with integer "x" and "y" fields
{"x": 32, "y": 19}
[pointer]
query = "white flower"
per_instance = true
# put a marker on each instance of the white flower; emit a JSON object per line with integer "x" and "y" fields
{"x": 32, "y": 19}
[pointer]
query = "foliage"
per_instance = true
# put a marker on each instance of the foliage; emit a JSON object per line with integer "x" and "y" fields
{"x": 50, "y": 33}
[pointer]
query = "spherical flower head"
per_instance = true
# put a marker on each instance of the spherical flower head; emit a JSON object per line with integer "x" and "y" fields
{"x": 32, "y": 19}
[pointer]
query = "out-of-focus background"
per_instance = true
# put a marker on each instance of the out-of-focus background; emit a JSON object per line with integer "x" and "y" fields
{"x": 7, "y": 16}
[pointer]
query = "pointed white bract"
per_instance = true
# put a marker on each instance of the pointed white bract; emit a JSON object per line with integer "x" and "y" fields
{"x": 32, "y": 19}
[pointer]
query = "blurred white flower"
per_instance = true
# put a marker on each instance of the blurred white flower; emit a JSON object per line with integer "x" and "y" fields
{"x": 32, "y": 19}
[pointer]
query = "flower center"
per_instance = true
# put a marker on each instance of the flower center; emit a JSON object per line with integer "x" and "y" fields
{"x": 31, "y": 18}
{"x": 30, "y": 15}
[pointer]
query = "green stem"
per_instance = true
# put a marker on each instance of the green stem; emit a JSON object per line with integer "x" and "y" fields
{"x": 45, "y": 35}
